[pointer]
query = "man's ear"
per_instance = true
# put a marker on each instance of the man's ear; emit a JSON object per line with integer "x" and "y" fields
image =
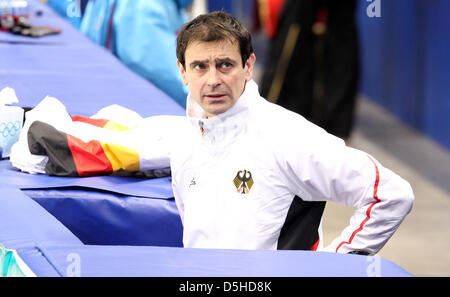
{"x": 249, "y": 67}
{"x": 182, "y": 72}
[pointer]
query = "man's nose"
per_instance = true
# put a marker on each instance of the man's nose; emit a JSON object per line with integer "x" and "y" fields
{"x": 214, "y": 77}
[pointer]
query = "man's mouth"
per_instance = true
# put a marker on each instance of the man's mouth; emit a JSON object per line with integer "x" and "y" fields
{"x": 215, "y": 96}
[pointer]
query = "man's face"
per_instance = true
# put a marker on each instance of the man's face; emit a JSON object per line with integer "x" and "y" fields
{"x": 215, "y": 75}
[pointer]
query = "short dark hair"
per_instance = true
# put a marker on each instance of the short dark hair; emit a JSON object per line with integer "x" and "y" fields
{"x": 214, "y": 26}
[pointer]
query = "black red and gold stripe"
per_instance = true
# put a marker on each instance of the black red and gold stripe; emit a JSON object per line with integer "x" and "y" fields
{"x": 70, "y": 156}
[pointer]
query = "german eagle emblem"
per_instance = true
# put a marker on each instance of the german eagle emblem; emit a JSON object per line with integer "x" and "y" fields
{"x": 243, "y": 181}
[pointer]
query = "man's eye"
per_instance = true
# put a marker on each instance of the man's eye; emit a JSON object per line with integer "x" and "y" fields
{"x": 199, "y": 67}
{"x": 226, "y": 65}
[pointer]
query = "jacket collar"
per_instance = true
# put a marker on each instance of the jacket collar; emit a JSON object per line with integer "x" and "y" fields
{"x": 224, "y": 124}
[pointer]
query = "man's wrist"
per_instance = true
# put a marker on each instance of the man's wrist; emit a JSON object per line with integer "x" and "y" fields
{"x": 358, "y": 252}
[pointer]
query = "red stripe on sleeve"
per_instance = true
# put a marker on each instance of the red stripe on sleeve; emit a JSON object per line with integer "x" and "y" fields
{"x": 375, "y": 196}
{"x": 95, "y": 122}
{"x": 314, "y": 247}
{"x": 89, "y": 158}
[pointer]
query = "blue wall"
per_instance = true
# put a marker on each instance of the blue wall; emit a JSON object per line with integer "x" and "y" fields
{"x": 405, "y": 59}
{"x": 405, "y": 62}
{"x": 220, "y": 5}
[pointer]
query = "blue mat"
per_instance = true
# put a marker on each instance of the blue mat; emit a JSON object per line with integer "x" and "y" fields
{"x": 160, "y": 188}
{"x": 83, "y": 76}
{"x": 116, "y": 261}
{"x": 23, "y": 222}
{"x": 104, "y": 218}
{"x": 104, "y": 210}
{"x": 84, "y": 79}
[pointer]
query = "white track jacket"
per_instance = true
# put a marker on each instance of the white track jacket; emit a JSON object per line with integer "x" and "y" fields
{"x": 257, "y": 177}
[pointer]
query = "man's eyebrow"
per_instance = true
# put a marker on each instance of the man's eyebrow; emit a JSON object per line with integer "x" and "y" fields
{"x": 197, "y": 62}
{"x": 222, "y": 60}
{"x": 217, "y": 61}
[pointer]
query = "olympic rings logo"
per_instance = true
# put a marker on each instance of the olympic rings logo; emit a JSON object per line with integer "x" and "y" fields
{"x": 10, "y": 128}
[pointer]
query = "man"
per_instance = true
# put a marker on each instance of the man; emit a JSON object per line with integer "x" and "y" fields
{"x": 246, "y": 168}
{"x": 246, "y": 173}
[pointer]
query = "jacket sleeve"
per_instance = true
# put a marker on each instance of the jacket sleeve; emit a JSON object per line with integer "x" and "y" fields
{"x": 320, "y": 167}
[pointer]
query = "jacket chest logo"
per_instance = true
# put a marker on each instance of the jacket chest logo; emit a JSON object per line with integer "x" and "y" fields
{"x": 243, "y": 181}
{"x": 202, "y": 130}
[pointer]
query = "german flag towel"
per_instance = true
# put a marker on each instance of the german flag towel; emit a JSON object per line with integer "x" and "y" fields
{"x": 113, "y": 141}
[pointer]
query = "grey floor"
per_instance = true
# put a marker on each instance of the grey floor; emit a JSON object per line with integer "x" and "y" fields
{"x": 422, "y": 243}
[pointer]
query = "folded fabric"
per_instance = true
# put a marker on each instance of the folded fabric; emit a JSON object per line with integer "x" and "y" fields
{"x": 115, "y": 140}
{"x": 11, "y": 265}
